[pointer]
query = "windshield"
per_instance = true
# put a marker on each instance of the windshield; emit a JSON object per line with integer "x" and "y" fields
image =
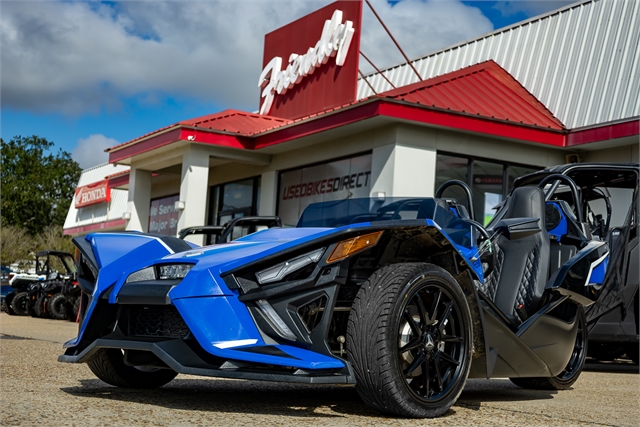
{"x": 339, "y": 213}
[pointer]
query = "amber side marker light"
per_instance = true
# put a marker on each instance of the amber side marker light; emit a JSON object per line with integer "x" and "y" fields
{"x": 354, "y": 245}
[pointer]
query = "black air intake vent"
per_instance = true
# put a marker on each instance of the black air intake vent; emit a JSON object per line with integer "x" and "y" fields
{"x": 311, "y": 313}
{"x": 156, "y": 321}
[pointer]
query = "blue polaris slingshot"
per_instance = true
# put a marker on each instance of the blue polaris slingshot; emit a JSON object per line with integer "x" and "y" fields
{"x": 405, "y": 298}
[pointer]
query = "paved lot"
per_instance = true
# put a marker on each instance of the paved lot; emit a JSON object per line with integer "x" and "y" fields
{"x": 37, "y": 390}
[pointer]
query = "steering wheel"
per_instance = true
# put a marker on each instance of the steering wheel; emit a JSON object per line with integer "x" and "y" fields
{"x": 556, "y": 178}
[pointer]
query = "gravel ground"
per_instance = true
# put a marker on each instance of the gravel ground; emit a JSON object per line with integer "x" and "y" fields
{"x": 37, "y": 390}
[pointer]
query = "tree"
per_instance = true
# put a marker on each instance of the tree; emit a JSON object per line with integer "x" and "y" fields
{"x": 37, "y": 186}
{"x": 16, "y": 244}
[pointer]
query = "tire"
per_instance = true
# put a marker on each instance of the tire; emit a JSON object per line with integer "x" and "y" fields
{"x": 108, "y": 365}
{"x": 39, "y": 307}
{"x": 406, "y": 361}
{"x": 632, "y": 351}
{"x": 19, "y": 304}
{"x": 57, "y": 306}
{"x": 6, "y": 307}
{"x": 565, "y": 379}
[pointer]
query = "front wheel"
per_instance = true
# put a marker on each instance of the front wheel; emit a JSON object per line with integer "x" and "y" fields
{"x": 108, "y": 365}
{"x": 409, "y": 340}
{"x": 565, "y": 379}
{"x": 20, "y": 304}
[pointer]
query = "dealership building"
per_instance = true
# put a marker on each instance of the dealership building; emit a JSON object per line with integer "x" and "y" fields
{"x": 560, "y": 87}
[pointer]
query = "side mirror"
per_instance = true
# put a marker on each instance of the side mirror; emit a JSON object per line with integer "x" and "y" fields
{"x": 517, "y": 228}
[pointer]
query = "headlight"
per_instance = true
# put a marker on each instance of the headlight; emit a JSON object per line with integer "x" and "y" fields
{"x": 162, "y": 272}
{"x": 174, "y": 271}
{"x": 277, "y": 272}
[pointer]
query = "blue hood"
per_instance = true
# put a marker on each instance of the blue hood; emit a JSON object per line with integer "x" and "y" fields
{"x": 227, "y": 256}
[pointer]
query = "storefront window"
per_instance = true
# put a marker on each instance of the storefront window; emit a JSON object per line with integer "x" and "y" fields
{"x": 448, "y": 168}
{"x": 487, "y": 189}
{"x": 514, "y": 172}
{"x": 233, "y": 200}
{"x": 163, "y": 217}
{"x": 486, "y": 179}
{"x": 337, "y": 180}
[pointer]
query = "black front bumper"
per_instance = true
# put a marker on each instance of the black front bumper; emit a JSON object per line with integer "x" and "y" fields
{"x": 187, "y": 358}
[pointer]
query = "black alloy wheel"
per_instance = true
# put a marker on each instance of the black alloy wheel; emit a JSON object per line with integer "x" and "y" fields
{"x": 409, "y": 340}
{"x": 431, "y": 347}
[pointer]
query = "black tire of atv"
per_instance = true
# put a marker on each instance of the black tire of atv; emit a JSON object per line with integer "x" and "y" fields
{"x": 57, "y": 306}
{"x": 632, "y": 351}
{"x": 108, "y": 365}
{"x": 378, "y": 323}
{"x": 6, "y": 307}
{"x": 572, "y": 371}
{"x": 39, "y": 307}
{"x": 19, "y": 304}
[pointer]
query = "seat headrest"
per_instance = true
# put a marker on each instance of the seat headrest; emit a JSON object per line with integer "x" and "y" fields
{"x": 526, "y": 202}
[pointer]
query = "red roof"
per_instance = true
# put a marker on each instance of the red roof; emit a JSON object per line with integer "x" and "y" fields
{"x": 229, "y": 121}
{"x": 235, "y": 121}
{"x": 480, "y": 98}
{"x": 484, "y": 89}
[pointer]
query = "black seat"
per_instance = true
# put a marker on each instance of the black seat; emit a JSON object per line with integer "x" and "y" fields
{"x": 517, "y": 283}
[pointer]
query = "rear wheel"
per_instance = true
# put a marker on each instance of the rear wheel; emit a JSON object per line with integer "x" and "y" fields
{"x": 108, "y": 365}
{"x": 565, "y": 379}
{"x": 409, "y": 340}
{"x": 19, "y": 304}
{"x": 57, "y": 306}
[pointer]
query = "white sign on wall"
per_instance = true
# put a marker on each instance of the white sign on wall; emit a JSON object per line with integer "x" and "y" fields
{"x": 334, "y": 42}
{"x": 339, "y": 180}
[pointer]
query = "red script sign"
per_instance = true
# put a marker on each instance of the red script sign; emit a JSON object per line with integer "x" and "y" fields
{"x": 311, "y": 64}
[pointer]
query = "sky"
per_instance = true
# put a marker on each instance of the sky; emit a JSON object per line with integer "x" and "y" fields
{"x": 88, "y": 75}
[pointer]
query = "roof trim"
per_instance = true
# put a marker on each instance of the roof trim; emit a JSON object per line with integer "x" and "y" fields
{"x": 604, "y": 133}
{"x": 106, "y": 225}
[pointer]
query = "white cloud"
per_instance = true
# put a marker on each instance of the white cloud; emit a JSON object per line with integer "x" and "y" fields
{"x": 530, "y": 7}
{"x": 77, "y": 57}
{"x": 90, "y": 150}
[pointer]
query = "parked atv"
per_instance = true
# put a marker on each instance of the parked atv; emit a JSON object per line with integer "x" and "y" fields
{"x": 44, "y": 298}
{"x": 609, "y": 204}
{"x": 41, "y": 295}
{"x": 70, "y": 300}
{"x": 15, "y": 302}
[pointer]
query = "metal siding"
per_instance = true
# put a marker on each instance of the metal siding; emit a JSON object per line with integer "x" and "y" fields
{"x": 98, "y": 173}
{"x": 580, "y": 61}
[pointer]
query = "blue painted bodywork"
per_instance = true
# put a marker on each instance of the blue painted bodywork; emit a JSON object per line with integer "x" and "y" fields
{"x": 219, "y": 321}
{"x": 562, "y": 229}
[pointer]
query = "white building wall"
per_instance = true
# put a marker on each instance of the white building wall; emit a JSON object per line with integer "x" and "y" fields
{"x": 138, "y": 202}
{"x": 101, "y": 212}
{"x": 581, "y": 61}
{"x": 194, "y": 187}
